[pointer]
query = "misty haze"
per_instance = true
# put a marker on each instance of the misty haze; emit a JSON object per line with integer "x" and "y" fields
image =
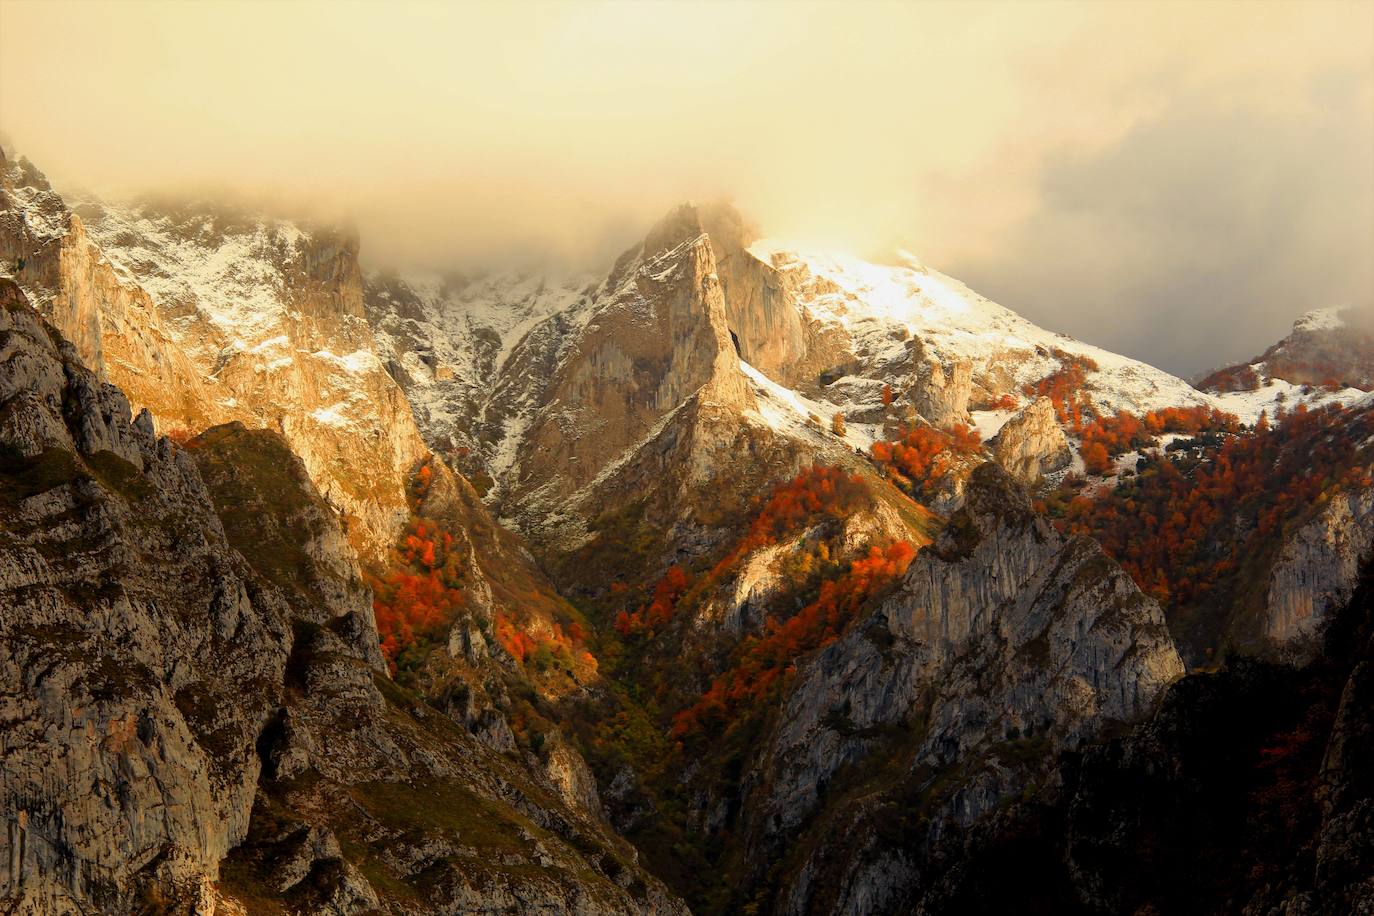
{"x": 686, "y": 457}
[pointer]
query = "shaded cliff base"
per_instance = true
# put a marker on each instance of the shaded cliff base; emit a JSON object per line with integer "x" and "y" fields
{"x": 1250, "y": 790}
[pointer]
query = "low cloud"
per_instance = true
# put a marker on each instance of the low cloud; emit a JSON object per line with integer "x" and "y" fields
{"x": 1177, "y": 182}
{"x": 1200, "y": 235}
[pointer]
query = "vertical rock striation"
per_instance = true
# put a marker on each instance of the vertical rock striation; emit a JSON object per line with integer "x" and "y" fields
{"x": 194, "y": 712}
{"x": 1003, "y": 643}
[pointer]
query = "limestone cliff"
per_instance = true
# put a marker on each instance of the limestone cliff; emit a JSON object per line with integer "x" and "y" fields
{"x": 139, "y": 648}
{"x": 1003, "y": 643}
{"x": 1032, "y": 444}
{"x": 942, "y": 397}
{"x": 656, "y": 336}
{"x": 770, "y": 330}
{"x": 1318, "y": 567}
{"x": 113, "y": 323}
{"x": 195, "y": 716}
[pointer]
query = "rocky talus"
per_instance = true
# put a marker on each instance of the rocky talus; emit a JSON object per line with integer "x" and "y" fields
{"x": 1003, "y": 643}
{"x": 195, "y": 716}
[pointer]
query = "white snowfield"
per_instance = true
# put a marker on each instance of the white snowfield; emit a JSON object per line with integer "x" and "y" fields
{"x": 1321, "y": 319}
{"x": 231, "y": 281}
{"x": 785, "y": 411}
{"x": 1276, "y": 394}
{"x": 955, "y": 323}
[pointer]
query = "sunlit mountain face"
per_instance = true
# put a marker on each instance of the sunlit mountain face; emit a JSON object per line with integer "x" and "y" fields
{"x": 433, "y": 479}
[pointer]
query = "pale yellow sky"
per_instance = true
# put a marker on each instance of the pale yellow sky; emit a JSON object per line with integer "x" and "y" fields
{"x": 455, "y": 132}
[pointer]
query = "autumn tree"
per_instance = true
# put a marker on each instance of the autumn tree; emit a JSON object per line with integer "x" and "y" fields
{"x": 763, "y": 662}
{"x": 923, "y": 454}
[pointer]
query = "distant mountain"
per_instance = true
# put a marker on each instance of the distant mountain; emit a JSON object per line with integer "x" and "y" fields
{"x": 1328, "y": 357}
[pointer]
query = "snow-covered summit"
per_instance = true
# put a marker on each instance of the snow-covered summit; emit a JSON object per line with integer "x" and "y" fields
{"x": 1328, "y": 358}
{"x": 884, "y": 308}
{"x": 204, "y": 314}
{"x": 1327, "y": 319}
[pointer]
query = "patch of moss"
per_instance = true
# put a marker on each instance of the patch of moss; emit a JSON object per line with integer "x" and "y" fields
{"x": 119, "y": 475}
{"x": 266, "y": 504}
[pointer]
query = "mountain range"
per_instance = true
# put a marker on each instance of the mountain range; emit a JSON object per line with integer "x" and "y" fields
{"x": 731, "y": 577}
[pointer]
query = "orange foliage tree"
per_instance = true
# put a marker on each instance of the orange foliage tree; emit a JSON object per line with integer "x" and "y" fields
{"x": 1123, "y": 431}
{"x": 1184, "y": 526}
{"x": 818, "y": 491}
{"x": 921, "y": 456}
{"x": 762, "y": 662}
{"x": 419, "y": 595}
{"x": 1065, "y": 388}
{"x": 660, "y": 607}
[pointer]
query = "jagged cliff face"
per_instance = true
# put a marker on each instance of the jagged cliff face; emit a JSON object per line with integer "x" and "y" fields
{"x": 185, "y": 630}
{"x": 655, "y": 338}
{"x": 1248, "y": 791}
{"x": 1317, "y": 569}
{"x": 139, "y": 647}
{"x": 114, "y": 324}
{"x": 1003, "y": 644}
{"x": 206, "y": 315}
{"x": 630, "y": 397}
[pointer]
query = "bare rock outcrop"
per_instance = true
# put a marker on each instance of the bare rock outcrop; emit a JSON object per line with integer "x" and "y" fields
{"x": 656, "y": 337}
{"x": 1032, "y": 444}
{"x": 1004, "y": 643}
{"x": 138, "y": 649}
{"x": 205, "y": 315}
{"x": 942, "y": 395}
{"x": 764, "y": 320}
{"x": 1318, "y": 568}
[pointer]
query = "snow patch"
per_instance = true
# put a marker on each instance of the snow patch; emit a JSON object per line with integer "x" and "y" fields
{"x": 1326, "y": 319}
{"x": 989, "y": 423}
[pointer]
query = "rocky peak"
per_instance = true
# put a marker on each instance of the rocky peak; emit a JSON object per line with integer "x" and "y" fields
{"x": 205, "y": 314}
{"x": 941, "y": 394}
{"x": 655, "y": 336}
{"x": 993, "y": 499}
{"x": 682, "y": 224}
{"x": 1332, "y": 347}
